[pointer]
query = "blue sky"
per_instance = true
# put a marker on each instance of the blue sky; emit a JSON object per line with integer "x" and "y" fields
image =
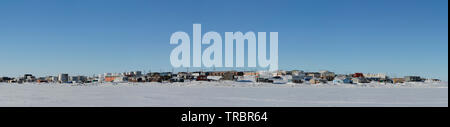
{"x": 397, "y": 37}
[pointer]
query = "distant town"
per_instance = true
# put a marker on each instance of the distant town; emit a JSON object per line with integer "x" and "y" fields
{"x": 275, "y": 77}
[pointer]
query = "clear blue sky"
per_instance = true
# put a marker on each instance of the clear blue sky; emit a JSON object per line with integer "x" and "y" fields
{"x": 397, "y": 37}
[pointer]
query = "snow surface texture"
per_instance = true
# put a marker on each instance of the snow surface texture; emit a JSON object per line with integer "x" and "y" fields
{"x": 224, "y": 94}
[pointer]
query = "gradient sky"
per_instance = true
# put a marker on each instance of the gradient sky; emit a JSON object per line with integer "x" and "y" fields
{"x": 397, "y": 37}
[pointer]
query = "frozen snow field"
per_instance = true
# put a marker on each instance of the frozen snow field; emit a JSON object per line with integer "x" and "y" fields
{"x": 223, "y": 94}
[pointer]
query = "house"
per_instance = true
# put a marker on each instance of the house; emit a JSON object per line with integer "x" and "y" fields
{"x": 16, "y": 80}
{"x": 295, "y": 72}
{"x": 317, "y": 81}
{"x": 281, "y": 73}
{"x": 313, "y": 74}
{"x": 360, "y": 80}
{"x": 155, "y": 77}
{"x": 433, "y": 80}
{"x": 176, "y": 79}
{"x": 266, "y": 74}
{"x": 239, "y": 74}
{"x": 264, "y": 80}
{"x": 215, "y": 73}
{"x": 376, "y": 76}
{"x": 137, "y": 79}
{"x": 229, "y": 75}
{"x": 41, "y": 81}
{"x": 5, "y": 79}
{"x": 358, "y": 75}
{"x": 307, "y": 78}
{"x": 165, "y": 76}
{"x": 342, "y": 80}
{"x": 110, "y": 78}
{"x": 185, "y": 75}
{"x": 202, "y": 78}
{"x": 246, "y": 78}
{"x": 327, "y": 75}
{"x": 398, "y": 80}
{"x": 298, "y": 79}
{"x": 214, "y": 78}
{"x": 52, "y": 79}
{"x": 279, "y": 80}
{"x": 413, "y": 79}
{"x": 78, "y": 79}
{"x": 121, "y": 79}
{"x": 133, "y": 74}
{"x": 250, "y": 73}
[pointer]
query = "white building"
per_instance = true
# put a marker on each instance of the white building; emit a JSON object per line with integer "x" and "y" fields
{"x": 121, "y": 79}
{"x": 267, "y": 74}
{"x": 379, "y": 75}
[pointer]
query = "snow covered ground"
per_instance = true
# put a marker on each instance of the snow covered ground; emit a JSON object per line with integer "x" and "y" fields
{"x": 212, "y": 94}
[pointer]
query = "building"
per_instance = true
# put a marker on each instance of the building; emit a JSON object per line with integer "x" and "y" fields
{"x": 433, "y": 80}
{"x": 137, "y": 73}
{"x": 165, "y": 76}
{"x": 251, "y": 73}
{"x": 360, "y": 80}
{"x": 100, "y": 78}
{"x": 137, "y": 79}
{"x": 358, "y": 75}
{"x": 281, "y": 73}
{"x": 376, "y": 76}
{"x": 398, "y": 80}
{"x": 176, "y": 79}
{"x": 230, "y": 75}
{"x": 298, "y": 78}
{"x": 413, "y": 79}
{"x": 313, "y": 74}
{"x": 133, "y": 74}
{"x": 214, "y": 78}
{"x": 317, "y": 81}
{"x": 327, "y": 75}
{"x": 295, "y": 73}
{"x": 120, "y": 79}
{"x": 78, "y": 79}
{"x": 202, "y": 78}
{"x": 5, "y": 79}
{"x": 42, "y": 80}
{"x": 155, "y": 77}
{"x": 110, "y": 78}
{"x": 29, "y": 78}
{"x": 16, "y": 80}
{"x": 52, "y": 79}
{"x": 266, "y": 74}
{"x": 185, "y": 75}
{"x": 63, "y": 78}
{"x": 342, "y": 80}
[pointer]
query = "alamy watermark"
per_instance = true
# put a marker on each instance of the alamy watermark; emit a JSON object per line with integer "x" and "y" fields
{"x": 232, "y": 40}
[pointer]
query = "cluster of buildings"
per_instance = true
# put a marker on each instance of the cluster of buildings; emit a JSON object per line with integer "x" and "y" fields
{"x": 276, "y": 77}
{"x": 61, "y": 78}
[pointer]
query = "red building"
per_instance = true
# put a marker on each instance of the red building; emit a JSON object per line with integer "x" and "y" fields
{"x": 110, "y": 78}
{"x": 358, "y": 75}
